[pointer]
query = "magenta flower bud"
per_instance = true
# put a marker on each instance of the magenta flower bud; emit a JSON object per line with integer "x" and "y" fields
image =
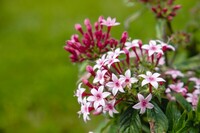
{"x": 176, "y": 7}
{"x": 154, "y": 9}
{"x": 100, "y": 19}
{"x": 172, "y": 14}
{"x": 96, "y": 26}
{"x": 79, "y": 28}
{"x": 75, "y": 37}
{"x": 140, "y": 43}
{"x": 169, "y": 18}
{"x": 164, "y": 10}
{"x": 86, "y": 82}
{"x": 90, "y": 70}
{"x": 170, "y": 2}
{"x": 124, "y": 37}
{"x": 88, "y": 24}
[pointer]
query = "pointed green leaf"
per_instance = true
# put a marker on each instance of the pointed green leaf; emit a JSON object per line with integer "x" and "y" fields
{"x": 172, "y": 113}
{"x": 182, "y": 101}
{"x": 130, "y": 121}
{"x": 198, "y": 111}
{"x": 159, "y": 119}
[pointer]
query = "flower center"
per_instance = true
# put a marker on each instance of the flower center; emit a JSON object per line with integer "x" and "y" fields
{"x": 153, "y": 48}
{"x": 151, "y": 79}
{"x": 144, "y": 103}
{"x": 98, "y": 97}
{"x": 117, "y": 84}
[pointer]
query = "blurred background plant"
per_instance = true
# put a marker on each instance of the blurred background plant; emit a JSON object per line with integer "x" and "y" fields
{"x": 37, "y": 79}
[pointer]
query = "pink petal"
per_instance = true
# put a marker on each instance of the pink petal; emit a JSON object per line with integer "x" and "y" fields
{"x": 142, "y": 110}
{"x": 137, "y": 106}
{"x": 91, "y": 98}
{"x": 94, "y": 91}
{"x": 105, "y": 94}
{"x": 140, "y": 97}
{"x": 148, "y": 98}
{"x": 114, "y": 77}
{"x": 128, "y": 73}
{"x": 160, "y": 80}
{"x": 150, "y": 105}
{"x": 156, "y": 75}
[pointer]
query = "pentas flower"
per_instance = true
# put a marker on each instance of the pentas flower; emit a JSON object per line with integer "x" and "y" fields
{"x": 152, "y": 48}
{"x": 115, "y": 85}
{"x": 100, "y": 62}
{"x": 110, "y": 107}
{"x": 174, "y": 73}
{"x": 196, "y": 80}
{"x": 112, "y": 73}
{"x": 178, "y": 87}
{"x": 109, "y": 22}
{"x": 134, "y": 43}
{"x": 98, "y": 97}
{"x": 100, "y": 76}
{"x": 85, "y": 110}
{"x": 143, "y": 103}
{"x": 152, "y": 79}
{"x": 79, "y": 93}
{"x": 193, "y": 98}
{"x": 127, "y": 79}
{"x": 165, "y": 46}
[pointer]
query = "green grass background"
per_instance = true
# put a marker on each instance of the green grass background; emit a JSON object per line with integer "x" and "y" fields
{"x": 37, "y": 79}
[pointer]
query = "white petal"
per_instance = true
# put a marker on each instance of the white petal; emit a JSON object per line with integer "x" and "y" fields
{"x": 105, "y": 94}
{"x": 144, "y": 82}
{"x": 156, "y": 75}
{"x": 148, "y": 73}
{"x": 101, "y": 89}
{"x": 114, "y": 91}
{"x": 154, "y": 84}
{"x": 160, "y": 80}
{"x": 142, "y": 75}
{"x": 110, "y": 84}
{"x": 145, "y": 47}
{"x": 133, "y": 80}
{"x": 128, "y": 73}
{"x": 114, "y": 77}
{"x": 94, "y": 91}
{"x": 91, "y": 98}
{"x": 96, "y": 104}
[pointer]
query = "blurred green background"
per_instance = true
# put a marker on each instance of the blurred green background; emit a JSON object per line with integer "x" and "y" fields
{"x": 37, "y": 79}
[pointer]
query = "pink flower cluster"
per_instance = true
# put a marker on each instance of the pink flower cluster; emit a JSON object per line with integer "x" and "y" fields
{"x": 120, "y": 75}
{"x": 94, "y": 41}
{"x": 177, "y": 86}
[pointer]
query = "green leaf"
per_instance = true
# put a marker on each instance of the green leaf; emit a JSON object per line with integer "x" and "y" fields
{"x": 182, "y": 101}
{"x": 173, "y": 114}
{"x": 192, "y": 63}
{"x": 159, "y": 119}
{"x": 130, "y": 121}
{"x": 181, "y": 122}
{"x": 198, "y": 111}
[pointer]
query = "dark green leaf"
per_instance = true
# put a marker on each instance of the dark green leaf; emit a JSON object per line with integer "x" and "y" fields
{"x": 182, "y": 101}
{"x": 181, "y": 122}
{"x": 198, "y": 111}
{"x": 173, "y": 114}
{"x": 130, "y": 121}
{"x": 159, "y": 119}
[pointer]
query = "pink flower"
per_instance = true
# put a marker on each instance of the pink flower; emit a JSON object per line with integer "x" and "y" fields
{"x": 152, "y": 79}
{"x": 100, "y": 62}
{"x": 85, "y": 110}
{"x": 98, "y": 97}
{"x": 79, "y": 93}
{"x": 178, "y": 88}
{"x": 100, "y": 76}
{"x": 144, "y": 103}
{"x": 109, "y": 22}
{"x": 115, "y": 85}
{"x": 193, "y": 98}
{"x": 111, "y": 60}
{"x": 165, "y": 46}
{"x": 152, "y": 48}
{"x": 134, "y": 43}
{"x": 174, "y": 73}
{"x": 115, "y": 53}
{"x": 127, "y": 79}
{"x": 110, "y": 108}
{"x": 197, "y": 82}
